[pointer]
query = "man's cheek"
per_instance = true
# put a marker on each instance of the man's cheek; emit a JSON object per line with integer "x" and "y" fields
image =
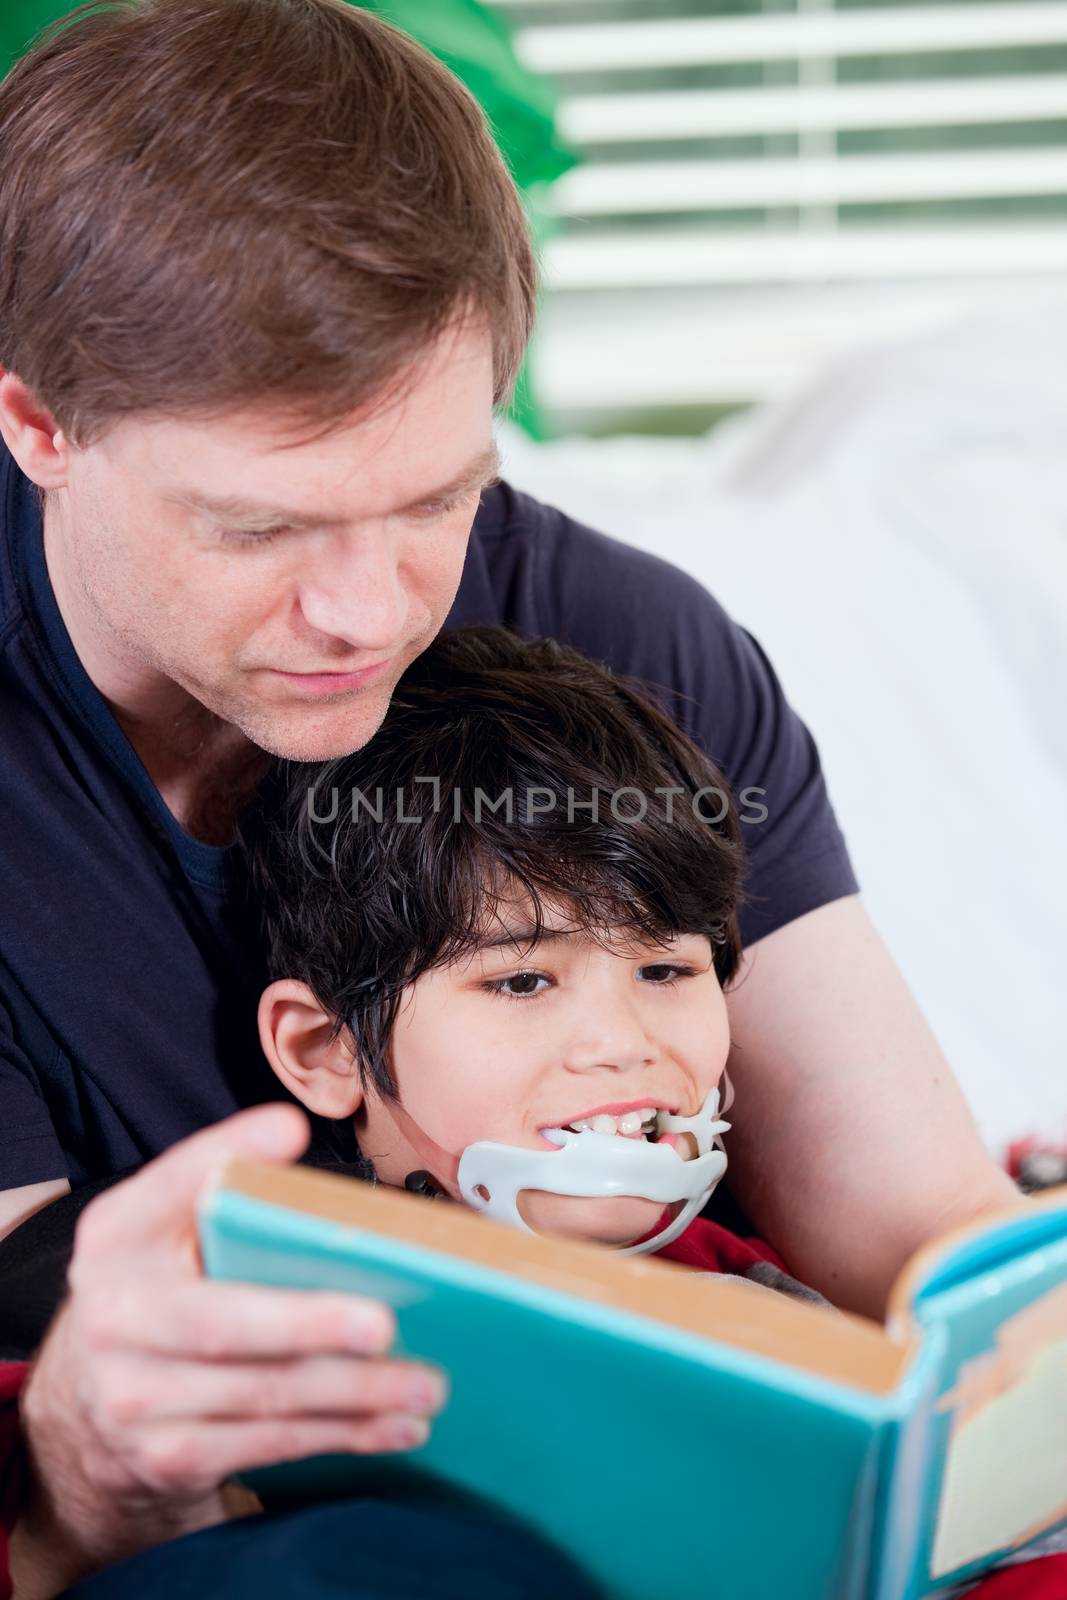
{"x": 436, "y": 567}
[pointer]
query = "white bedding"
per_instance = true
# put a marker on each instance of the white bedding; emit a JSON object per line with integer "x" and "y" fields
{"x": 896, "y": 537}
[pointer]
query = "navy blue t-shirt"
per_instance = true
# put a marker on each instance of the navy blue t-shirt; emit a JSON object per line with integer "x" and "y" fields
{"x": 130, "y": 968}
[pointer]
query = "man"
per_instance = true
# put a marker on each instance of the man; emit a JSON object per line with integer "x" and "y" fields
{"x": 263, "y": 281}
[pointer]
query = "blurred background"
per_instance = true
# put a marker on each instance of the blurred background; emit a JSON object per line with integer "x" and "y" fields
{"x": 804, "y": 333}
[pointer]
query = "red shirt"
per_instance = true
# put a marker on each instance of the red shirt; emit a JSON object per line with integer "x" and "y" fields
{"x": 11, "y": 1462}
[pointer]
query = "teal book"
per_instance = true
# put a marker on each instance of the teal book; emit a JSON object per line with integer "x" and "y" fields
{"x": 684, "y": 1435}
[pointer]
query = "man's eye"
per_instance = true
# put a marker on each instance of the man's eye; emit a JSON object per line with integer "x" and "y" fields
{"x": 518, "y": 986}
{"x": 442, "y": 507}
{"x": 249, "y": 535}
{"x": 664, "y": 973}
{"x": 434, "y": 508}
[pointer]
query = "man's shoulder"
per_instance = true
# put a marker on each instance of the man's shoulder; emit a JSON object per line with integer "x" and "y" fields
{"x": 544, "y": 572}
{"x": 511, "y": 523}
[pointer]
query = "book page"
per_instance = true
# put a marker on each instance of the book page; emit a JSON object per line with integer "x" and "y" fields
{"x": 1006, "y": 1468}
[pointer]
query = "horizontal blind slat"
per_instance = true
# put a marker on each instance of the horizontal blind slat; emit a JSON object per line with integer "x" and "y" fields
{"x": 674, "y": 258}
{"x": 662, "y": 186}
{"x": 688, "y": 41}
{"x": 697, "y": 113}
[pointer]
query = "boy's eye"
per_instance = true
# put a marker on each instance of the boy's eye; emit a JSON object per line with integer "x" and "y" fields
{"x": 518, "y": 985}
{"x": 663, "y": 973}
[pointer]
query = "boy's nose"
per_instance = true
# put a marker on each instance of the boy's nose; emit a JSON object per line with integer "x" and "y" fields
{"x": 614, "y": 1043}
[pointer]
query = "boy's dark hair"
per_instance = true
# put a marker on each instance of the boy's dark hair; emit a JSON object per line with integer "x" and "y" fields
{"x": 399, "y": 876}
{"x": 207, "y": 204}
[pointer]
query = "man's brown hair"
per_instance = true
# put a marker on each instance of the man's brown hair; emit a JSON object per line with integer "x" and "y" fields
{"x": 209, "y": 204}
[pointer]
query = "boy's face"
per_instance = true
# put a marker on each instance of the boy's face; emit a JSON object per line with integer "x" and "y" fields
{"x": 521, "y": 1037}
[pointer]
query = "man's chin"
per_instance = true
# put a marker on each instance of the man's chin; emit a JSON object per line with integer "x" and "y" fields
{"x": 318, "y": 732}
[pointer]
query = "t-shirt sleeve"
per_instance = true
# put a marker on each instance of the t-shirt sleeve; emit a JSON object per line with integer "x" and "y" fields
{"x": 29, "y": 1149}
{"x": 797, "y": 856}
{"x": 644, "y": 617}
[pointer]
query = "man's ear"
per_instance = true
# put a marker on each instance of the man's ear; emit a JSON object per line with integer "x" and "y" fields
{"x": 32, "y": 434}
{"x": 295, "y": 1031}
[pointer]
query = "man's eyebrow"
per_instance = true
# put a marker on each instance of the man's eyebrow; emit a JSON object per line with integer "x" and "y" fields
{"x": 477, "y": 474}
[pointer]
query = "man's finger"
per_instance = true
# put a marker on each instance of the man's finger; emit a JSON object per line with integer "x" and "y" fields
{"x": 179, "y": 1459}
{"x": 160, "y": 1200}
{"x": 334, "y": 1388}
{"x": 215, "y": 1321}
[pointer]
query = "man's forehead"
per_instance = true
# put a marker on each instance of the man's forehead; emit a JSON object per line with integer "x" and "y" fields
{"x": 430, "y": 430}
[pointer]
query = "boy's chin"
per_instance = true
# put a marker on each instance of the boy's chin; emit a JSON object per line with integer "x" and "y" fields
{"x": 617, "y": 1221}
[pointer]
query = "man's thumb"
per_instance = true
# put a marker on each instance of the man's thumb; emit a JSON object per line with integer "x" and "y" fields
{"x": 160, "y": 1200}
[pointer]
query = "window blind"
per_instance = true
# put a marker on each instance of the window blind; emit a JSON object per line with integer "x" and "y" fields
{"x": 765, "y": 186}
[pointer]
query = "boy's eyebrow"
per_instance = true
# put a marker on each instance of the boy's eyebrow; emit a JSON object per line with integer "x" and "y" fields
{"x": 477, "y": 474}
{"x": 518, "y": 937}
{"x": 524, "y": 937}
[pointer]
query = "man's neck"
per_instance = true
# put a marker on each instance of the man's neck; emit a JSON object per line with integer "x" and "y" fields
{"x": 205, "y": 768}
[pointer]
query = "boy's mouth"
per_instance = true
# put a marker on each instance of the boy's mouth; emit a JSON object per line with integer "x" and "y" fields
{"x": 632, "y": 1122}
{"x": 638, "y": 1124}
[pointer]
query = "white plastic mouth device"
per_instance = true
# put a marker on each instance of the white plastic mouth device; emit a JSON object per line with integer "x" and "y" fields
{"x": 592, "y": 1165}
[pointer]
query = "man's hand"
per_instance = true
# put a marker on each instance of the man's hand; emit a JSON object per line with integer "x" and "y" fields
{"x": 155, "y": 1385}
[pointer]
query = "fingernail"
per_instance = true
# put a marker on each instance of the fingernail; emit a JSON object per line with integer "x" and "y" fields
{"x": 409, "y": 1432}
{"x": 426, "y": 1393}
{"x": 274, "y": 1132}
{"x": 369, "y": 1332}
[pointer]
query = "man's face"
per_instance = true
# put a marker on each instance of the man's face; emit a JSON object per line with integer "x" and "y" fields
{"x": 283, "y": 586}
{"x": 518, "y": 1039}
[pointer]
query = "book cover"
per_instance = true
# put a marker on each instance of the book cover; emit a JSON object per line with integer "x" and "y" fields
{"x": 676, "y": 1432}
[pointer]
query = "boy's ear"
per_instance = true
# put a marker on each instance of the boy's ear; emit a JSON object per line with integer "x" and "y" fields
{"x": 294, "y": 1031}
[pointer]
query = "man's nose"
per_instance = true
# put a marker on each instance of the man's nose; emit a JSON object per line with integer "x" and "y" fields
{"x": 352, "y": 589}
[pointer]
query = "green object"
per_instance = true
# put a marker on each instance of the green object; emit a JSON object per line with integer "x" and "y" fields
{"x": 521, "y": 110}
{"x": 775, "y": 1449}
{"x": 21, "y": 21}
{"x": 476, "y": 45}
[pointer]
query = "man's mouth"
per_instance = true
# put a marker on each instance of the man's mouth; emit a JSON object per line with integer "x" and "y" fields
{"x": 325, "y": 683}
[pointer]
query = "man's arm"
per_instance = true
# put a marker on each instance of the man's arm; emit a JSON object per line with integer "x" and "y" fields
{"x": 852, "y": 1143}
{"x": 16, "y": 1205}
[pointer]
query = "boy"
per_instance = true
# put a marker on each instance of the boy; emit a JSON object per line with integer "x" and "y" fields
{"x": 500, "y": 935}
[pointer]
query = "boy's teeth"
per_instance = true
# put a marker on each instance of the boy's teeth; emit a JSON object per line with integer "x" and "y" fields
{"x": 630, "y": 1122}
